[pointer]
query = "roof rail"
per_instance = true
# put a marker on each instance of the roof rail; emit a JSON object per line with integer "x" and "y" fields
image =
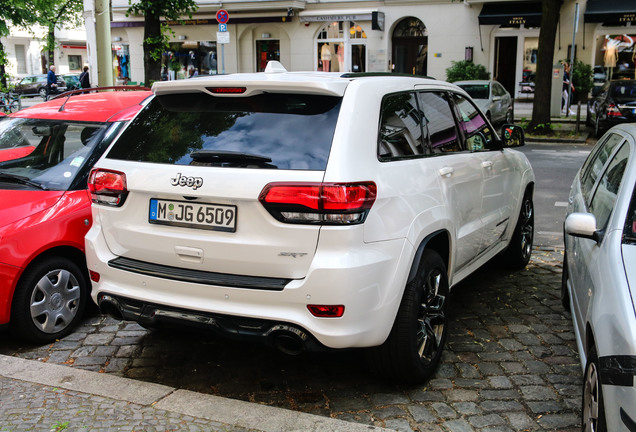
{"x": 381, "y": 74}
{"x": 70, "y": 93}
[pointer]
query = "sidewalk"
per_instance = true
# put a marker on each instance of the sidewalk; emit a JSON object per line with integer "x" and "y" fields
{"x": 46, "y": 397}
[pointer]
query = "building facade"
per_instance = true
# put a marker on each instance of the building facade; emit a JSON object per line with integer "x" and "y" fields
{"x": 26, "y": 54}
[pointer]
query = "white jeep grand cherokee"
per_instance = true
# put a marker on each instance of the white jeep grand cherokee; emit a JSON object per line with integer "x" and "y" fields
{"x": 308, "y": 210}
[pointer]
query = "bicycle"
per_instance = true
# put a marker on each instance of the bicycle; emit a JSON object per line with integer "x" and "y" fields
{"x": 10, "y": 102}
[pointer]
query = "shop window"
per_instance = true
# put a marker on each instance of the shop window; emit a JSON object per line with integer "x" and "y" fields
{"x": 189, "y": 59}
{"x": 341, "y": 47}
{"x": 121, "y": 63}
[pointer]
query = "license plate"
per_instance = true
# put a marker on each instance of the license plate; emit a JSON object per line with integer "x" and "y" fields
{"x": 217, "y": 217}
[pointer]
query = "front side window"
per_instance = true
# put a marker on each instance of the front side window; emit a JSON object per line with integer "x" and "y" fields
{"x": 478, "y": 134}
{"x": 594, "y": 164}
{"x": 62, "y": 151}
{"x": 606, "y": 193}
{"x": 273, "y": 131}
{"x": 439, "y": 122}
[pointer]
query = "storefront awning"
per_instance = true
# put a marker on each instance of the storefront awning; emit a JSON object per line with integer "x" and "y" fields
{"x": 508, "y": 14}
{"x": 610, "y": 11}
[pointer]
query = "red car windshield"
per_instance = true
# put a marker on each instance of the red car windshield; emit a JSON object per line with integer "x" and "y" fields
{"x": 57, "y": 152}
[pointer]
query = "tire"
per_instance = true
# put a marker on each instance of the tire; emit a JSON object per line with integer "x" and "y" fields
{"x": 43, "y": 94}
{"x": 517, "y": 254}
{"x": 49, "y": 301}
{"x": 509, "y": 119}
{"x": 597, "y": 128}
{"x": 592, "y": 400}
{"x": 565, "y": 275}
{"x": 414, "y": 347}
{"x": 14, "y": 107}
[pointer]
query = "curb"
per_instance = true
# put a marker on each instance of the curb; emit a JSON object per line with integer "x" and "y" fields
{"x": 228, "y": 411}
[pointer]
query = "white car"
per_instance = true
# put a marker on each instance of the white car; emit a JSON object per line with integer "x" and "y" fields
{"x": 599, "y": 279}
{"x": 307, "y": 210}
{"x": 491, "y": 97}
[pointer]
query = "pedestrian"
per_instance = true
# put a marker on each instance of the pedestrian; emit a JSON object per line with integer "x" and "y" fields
{"x": 51, "y": 82}
{"x": 567, "y": 83}
{"x": 85, "y": 79}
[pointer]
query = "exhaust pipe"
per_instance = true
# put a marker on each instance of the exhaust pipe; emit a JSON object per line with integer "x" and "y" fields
{"x": 111, "y": 307}
{"x": 288, "y": 340}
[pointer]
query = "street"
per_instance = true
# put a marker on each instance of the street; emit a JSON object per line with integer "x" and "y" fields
{"x": 510, "y": 363}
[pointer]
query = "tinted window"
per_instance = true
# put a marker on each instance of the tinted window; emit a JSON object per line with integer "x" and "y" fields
{"x": 479, "y": 135}
{"x": 400, "y": 127}
{"x": 294, "y": 131}
{"x": 594, "y": 164}
{"x": 477, "y": 91}
{"x": 439, "y": 122}
{"x": 607, "y": 191}
{"x": 623, "y": 90}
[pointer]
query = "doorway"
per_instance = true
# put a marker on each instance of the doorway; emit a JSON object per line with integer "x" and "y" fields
{"x": 506, "y": 62}
{"x": 266, "y": 50}
{"x": 410, "y": 47}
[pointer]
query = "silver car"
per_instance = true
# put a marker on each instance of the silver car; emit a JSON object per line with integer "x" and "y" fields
{"x": 599, "y": 279}
{"x": 491, "y": 97}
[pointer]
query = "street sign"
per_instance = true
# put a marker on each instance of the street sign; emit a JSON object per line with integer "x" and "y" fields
{"x": 222, "y": 27}
{"x": 222, "y": 16}
{"x": 223, "y": 37}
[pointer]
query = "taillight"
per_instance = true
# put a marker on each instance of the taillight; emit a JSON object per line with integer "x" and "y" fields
{"x": 107, "y": 187}
{"x": 613, "y": 111}
{"x": 326, "y": 311}
{"x": 319, "y": 203}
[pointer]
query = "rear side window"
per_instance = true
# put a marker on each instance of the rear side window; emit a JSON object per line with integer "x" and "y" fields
{"x": 400, "y": 127}
{"x": 283, "y": 131}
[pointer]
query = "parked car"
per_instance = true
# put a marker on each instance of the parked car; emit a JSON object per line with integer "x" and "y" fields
{"x": 599, "y": 276}
{"x": 45, "y": 208}
{"x": 35, "y": 85}
{"x": 600, "y": 78}
{"x": 308, "y": 211}
{"x": 616, "y": 103}
{"x": 491, "y": 97}
{"x": 72, "y": 81}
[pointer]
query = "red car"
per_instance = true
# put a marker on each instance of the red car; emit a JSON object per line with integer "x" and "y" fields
{"x": 45, "y": 208}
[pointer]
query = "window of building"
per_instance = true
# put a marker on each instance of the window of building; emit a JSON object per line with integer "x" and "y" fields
{"x": 341, "y": 47}
{"x": 20, "y": 58}
{"x": 75, "y": 63}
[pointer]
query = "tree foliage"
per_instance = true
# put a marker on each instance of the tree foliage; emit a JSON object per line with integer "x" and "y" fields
{"x": 156, "y": 33}
{"x": 19, "y": 13}
{"x": 466, "y": 70}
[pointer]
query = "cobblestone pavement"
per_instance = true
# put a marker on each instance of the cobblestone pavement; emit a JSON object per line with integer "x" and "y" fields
{"x": 510, "y": 364}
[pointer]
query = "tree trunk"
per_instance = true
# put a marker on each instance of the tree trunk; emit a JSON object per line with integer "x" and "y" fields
{"x": 50, "y": 42}
{"x": 545, "y": 58}
{"x": 3, "y": 78}
{"x": 152, "y": 33}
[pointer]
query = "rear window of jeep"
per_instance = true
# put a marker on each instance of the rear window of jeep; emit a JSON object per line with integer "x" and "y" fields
{"x": 272, "y": 131}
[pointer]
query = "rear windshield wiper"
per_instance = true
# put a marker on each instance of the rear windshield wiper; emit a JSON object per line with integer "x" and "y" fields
{"x": 231, "y": 158}
{"x": 22, "y": 180}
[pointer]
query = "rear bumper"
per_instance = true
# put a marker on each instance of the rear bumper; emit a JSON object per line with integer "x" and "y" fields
{"x": 368, "y": 280}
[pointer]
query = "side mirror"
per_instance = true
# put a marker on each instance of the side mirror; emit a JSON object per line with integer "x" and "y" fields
{"x": 583, "y": 225}
{"x": 513, "y": 136}
{"x": 496, "y": 98}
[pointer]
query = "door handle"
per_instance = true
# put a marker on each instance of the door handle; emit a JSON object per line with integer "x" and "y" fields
{"x": 446, "y": 171}
{"x": 487, "y": 164}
